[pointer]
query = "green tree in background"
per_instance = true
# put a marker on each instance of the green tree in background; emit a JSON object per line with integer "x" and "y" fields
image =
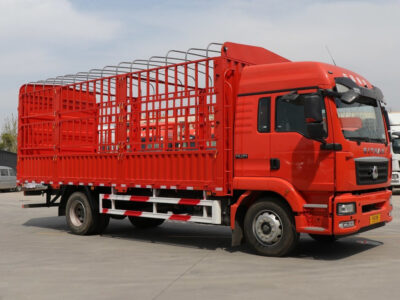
{"x": 8, "y": 137}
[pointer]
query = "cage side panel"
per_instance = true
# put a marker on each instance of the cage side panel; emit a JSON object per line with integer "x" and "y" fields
{"x": 36, "y": 168}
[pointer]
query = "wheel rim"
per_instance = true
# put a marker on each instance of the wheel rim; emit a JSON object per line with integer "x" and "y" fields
{"x": 77, "y": 213}
{"x": 267, "y": 228}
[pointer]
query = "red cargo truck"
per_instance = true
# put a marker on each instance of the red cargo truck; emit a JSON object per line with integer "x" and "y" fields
{"x": 238, "y": 136}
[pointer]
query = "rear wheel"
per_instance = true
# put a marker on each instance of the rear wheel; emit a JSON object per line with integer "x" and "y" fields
{"x": 269, "y": 228}
{"x": 81, "y": 217}
{"x": 145, "y": 222}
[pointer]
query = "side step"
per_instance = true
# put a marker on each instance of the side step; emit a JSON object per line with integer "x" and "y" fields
{"x": 214, "y": 218}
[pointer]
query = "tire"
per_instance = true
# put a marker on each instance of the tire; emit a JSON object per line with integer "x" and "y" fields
{"x": 269, "y": 228}
{"x": 326, "y": 239}
{"x": 81, "y": 216}
{"x": 144, "y": 223}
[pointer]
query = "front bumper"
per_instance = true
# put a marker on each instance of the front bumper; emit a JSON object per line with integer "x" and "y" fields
{"x": 372, "y": 209}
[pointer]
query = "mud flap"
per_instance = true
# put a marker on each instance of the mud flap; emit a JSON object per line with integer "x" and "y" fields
{"x": 237, "y": 235}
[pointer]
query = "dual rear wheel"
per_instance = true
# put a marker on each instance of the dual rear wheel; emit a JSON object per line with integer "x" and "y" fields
{"x": 81, "y": 217}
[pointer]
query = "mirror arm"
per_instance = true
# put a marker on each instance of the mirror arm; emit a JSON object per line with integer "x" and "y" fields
{"x": 322, "y": 141}
{"x": 291, "y": 96}
{"x": 330, "y": 93}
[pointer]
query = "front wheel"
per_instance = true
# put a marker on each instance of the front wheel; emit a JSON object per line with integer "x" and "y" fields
{"x": 269, "y": 228}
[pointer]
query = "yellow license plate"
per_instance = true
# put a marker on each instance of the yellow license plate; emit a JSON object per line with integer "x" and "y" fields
{"x": 374, "y": 219}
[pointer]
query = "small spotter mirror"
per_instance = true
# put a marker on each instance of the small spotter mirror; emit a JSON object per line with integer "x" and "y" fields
{"x": 350, "y": 96}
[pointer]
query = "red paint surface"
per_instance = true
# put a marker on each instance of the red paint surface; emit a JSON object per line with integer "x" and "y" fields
{"x": 179, "y": 217}
{"x": 139, "y": 198}
{"x": 133, "y": 213}
{"x": 185, "y": 201}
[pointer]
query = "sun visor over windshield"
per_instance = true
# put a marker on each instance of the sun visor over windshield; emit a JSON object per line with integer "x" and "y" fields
{"x": 374, "y": 93}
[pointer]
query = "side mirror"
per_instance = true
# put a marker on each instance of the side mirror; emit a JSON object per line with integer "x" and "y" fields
{"x": 313, "y": 116}
{"x": 349, "y": 96}
{"x": 313, "y": 108}
{"x": 315, "y": 131}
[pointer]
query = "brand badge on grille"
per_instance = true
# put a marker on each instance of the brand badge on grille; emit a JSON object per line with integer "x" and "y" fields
{"x": 374, "y": 150}
{"x": 374, "y": 172}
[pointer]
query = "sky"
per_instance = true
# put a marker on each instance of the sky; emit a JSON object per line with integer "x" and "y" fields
{"x": 40, "y": 39}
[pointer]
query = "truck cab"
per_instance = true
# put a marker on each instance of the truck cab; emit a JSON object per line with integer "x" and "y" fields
{"x": 314, "y": 134}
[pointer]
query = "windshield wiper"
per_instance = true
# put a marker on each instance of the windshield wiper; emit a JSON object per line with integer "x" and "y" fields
{"x": 377, "y": 140}
{"x": 359, "y": 139}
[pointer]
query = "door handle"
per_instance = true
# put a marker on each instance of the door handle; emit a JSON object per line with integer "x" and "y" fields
{"x": 275, "y": 163}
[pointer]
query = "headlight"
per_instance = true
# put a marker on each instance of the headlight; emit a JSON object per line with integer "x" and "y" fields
{"x": 344, "y": 209}
{"x": 395, "y": 176}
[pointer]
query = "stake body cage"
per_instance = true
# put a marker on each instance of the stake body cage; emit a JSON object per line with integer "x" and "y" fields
{"x": 162, "y": 122}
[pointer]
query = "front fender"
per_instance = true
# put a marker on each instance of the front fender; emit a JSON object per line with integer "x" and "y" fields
{"x": 272, "y": 184}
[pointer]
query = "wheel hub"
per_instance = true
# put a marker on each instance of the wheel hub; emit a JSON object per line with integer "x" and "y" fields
{"x": 267, "y": 228}
{"x": 77, "y": 213}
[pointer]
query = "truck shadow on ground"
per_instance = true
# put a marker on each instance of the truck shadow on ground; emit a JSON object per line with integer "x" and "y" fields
{"x": 214, "y": 237}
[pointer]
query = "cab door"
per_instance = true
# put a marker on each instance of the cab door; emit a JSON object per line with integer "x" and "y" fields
{"x": 301, "y": 161}
{"x": 252, "y": 136}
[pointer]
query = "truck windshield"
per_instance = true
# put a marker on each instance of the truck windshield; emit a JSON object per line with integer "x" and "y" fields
{"x": 361, "y": 120}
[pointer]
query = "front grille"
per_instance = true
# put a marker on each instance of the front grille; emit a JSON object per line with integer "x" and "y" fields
{"x": 364, "y": 170}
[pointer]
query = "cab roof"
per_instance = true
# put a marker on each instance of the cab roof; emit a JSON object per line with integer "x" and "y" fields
{"x": 277, "y": 77}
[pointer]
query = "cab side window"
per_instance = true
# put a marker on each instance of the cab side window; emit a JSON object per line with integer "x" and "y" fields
{"x": 4, "y": 172}
{"x": 290, "y": 116}
{"x": 264, "y": 108}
